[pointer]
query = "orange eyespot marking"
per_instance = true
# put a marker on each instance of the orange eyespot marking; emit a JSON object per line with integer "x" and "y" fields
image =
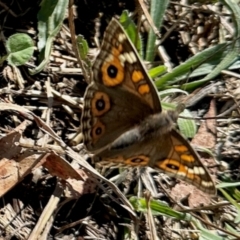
{"x": 140, "y": 160}
{"x": 137, "y": 76}
{"x": 100, "y": 104}
{"x": 143, "y": 89}
{"x": 112, "y": 71}
{"x": 178, "y": 169}
{"x": 187, "y": 157}
{"x": 180, "y": 148}
{"x": 97, "y": 131}
{"x": 169, "y": 165}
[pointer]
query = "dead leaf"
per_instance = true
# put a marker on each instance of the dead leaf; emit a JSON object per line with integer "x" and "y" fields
{"x": 78, "y": 181}
{"x": 15, "y": 162}
{"x": 57, "y": 166}
{"x": 206, "y": 135}
{"x": 196, "y": 197}
{"x": 76, "y": 188}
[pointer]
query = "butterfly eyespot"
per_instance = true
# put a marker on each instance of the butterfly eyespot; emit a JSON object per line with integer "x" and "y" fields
{"x": 97, "y": 131}
{"x": 100, "y": 104}
{"x": 179, "y": 170}
{"x": 141, "y": 160}
{"x": 136, "y": 160}
{"x": 172, "y": 166}
{"x": 112, "y": 71}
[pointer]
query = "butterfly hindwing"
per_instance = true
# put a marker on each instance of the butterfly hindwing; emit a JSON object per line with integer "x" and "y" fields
{"x": 184, "y": 163}
{"x": 170, "y": 153}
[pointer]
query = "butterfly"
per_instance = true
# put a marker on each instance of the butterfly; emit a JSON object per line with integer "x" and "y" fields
{"x": 122, "y": 119}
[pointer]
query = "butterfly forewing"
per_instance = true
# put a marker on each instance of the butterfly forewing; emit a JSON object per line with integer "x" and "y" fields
{"x": 101, "y": 128}
{"x": 119, "y": 65}
{"x": 121, "y": 93}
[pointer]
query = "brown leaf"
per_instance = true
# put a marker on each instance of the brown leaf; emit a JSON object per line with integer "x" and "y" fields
{"x": 196, "y": 197}
{"x": 15, "y": 162}
{"x": 78, "y": 182}
{"x": 76, "y": 188}
{"x": 205, "y": 136}
{"x": 59, "y": 167}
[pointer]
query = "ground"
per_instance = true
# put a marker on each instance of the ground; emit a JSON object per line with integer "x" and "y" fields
{"x": 48, "y": 189}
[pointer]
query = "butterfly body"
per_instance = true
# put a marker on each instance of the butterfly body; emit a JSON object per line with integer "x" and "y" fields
{"x": 133, "y": 148}
{"x": 122, "y": 119}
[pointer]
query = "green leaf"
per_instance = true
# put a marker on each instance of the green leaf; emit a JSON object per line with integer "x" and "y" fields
{"x": 233, "y": 202}
{"x": 47, "y": 8}
{"x": 158, "y": 208}
{"x": 166, "y": 92}
{"x": 50, "y": 19}
{"x": 228, "y": 185}
{"x": 206, "y": 234}
{"x": 161, "y": 208}
{"x": 171, "y": 78}
{"x": 156, "y": 71}
{"x": 131, "y": 30}
{"x": 82, "y": 47}
{"x": 231, "y": 229}
{"x": 187, "y": 126}
{"x": 20, "y": 49}
{"x": 235, "y": 10}
{"x": 230, "y": 58}
{"x": 157, "y": 12}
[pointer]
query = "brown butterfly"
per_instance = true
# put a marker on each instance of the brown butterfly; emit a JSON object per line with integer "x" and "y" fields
{"x": 122, "y": 119}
